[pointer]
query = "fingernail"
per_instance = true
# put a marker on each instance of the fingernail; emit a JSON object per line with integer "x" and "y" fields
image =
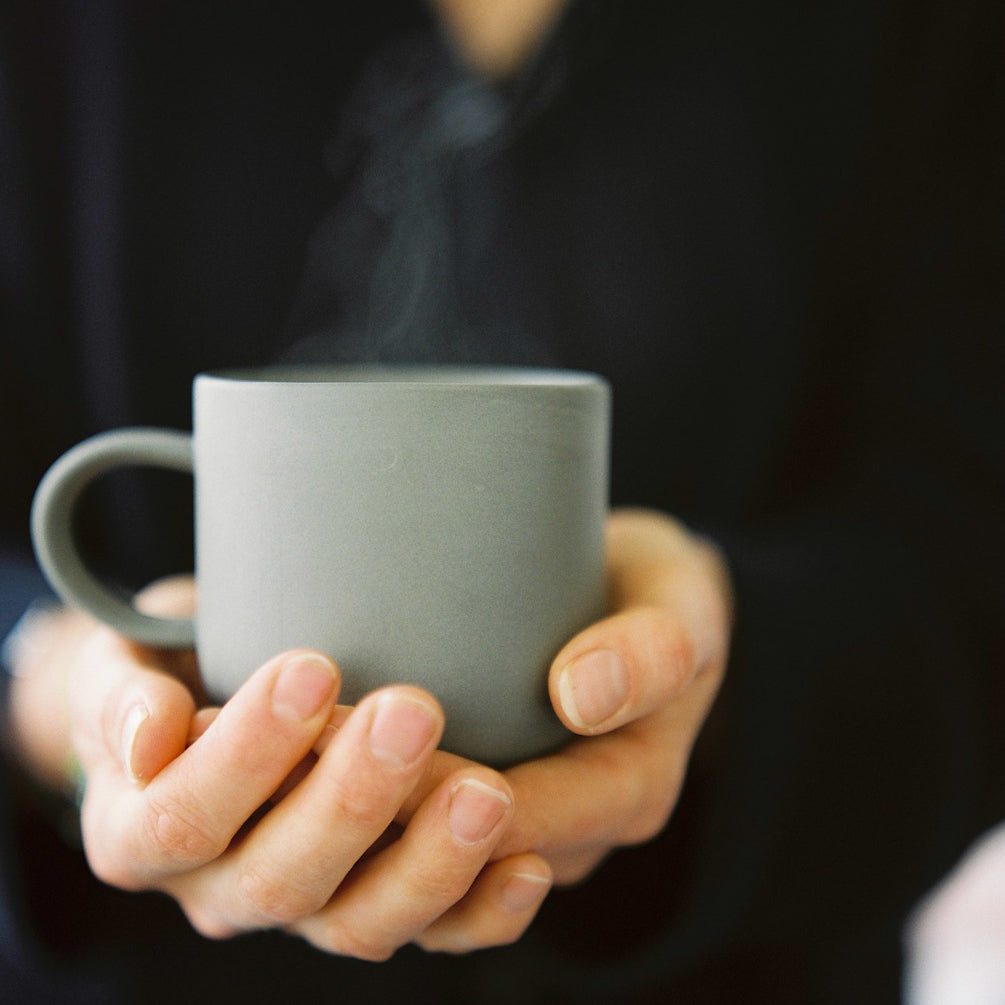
{"x": 593, "y": 687}
{"x": 401, "y": 730}
{"x": 303, "y": 687}
{"x": 135, "y": 718}
{"x": 523, "y": 890}
{"x": 475, "y": 810}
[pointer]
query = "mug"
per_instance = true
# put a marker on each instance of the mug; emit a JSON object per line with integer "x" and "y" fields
{"x": 436, "y": 526}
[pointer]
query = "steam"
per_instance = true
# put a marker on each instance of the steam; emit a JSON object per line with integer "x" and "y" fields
{"x": 382, "y": 283}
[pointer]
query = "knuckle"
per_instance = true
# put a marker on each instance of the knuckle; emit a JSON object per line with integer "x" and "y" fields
{"x": 437, "y": 887}
{"x": 507, "y": 938}
{"x": 571, "y": 875}
{"x": 648, "y": 823}
{"x": 209, "y": 924}
{"x": 109, "y": 866}
{"x": 674, "y": 650}
{"x": 572, "y": 868}
{"x": 338, "y": 938}
{"x": 357, "y": 800}
{"x": 274, "y": 898}
{"x": 174, "y": 833}
{"x": 656, "y": 805}
{"x": 435, "y": 941}
{"x": 105, "y": 853}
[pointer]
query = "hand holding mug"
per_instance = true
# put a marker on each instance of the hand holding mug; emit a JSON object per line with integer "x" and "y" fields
{"x": 232, "y": 813}
{"x": 171, "y": 787}
{"x": 638, "y": 686}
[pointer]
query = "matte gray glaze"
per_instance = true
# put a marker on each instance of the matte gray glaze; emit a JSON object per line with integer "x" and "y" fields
{"x": 438, "y": 526}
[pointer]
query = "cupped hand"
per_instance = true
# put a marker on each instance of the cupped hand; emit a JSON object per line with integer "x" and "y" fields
{"x": 637, "y": 687}
{"x": 232, "y": 813}
{"x": 347, "y": 826}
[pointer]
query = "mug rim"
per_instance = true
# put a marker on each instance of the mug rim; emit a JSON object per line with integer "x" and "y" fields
{"x": 402, "y": 374}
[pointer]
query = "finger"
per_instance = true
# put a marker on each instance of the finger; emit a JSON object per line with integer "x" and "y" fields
{"x": 653, "y": 560}
{"x": 338, "y": 718}
{"x": 497, "y": 909}
{"x": 672, "y": 600}
{"x": 193, "y": 808}
{"x": 594, "y": 794}
{"x": 148, "y": 719}
{"x": 126, "y": 714}
{"x": 610, "y": 789}
{"x": 301, "y": 771}
{"x": 601, "y": 792}
{"x": 573, "y": 867}
{"x": 173, "y": 597}
{"x": 615, "y": 789}
{"x": 394, "y": 896}
{"x": 441, "y": 766}
{"x": 622, "y": 668}
{"x": 301, "y": 850}
{"x": 201, "y": 721}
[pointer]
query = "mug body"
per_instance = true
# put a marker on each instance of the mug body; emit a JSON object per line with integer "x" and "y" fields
{"x": 441, "y": 527}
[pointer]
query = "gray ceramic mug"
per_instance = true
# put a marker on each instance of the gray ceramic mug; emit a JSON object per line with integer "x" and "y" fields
{"x": 440, "y": 526}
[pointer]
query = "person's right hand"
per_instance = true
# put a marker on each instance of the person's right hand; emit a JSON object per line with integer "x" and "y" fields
{"x": 185, "y": 801}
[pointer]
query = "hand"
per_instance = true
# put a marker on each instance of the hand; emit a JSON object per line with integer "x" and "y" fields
{"x": 638, "y": 686}
{"x": 232, "y": 813}
{"x": 193, "y": 803}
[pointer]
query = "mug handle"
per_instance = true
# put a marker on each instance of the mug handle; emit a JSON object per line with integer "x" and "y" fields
{"x": 52, "y": 528}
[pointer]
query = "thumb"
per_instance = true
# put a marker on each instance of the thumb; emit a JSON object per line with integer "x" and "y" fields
{"x": 671, "y": 599}
{"x": 622, "y": 668}
{"x": 126, "y": 713}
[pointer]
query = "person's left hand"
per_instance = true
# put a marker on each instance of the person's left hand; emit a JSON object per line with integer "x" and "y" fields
{"x": 637, "y": 686}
